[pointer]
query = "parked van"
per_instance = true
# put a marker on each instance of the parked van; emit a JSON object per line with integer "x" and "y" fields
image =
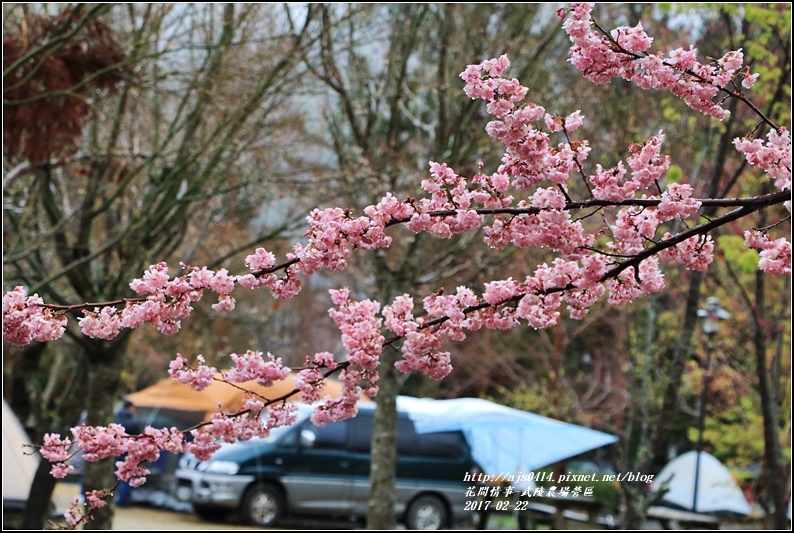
{"x": 309, "y": 470}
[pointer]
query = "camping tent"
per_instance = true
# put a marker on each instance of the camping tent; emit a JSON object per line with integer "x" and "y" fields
{"x": 19, "y": 464}
{"x": 504, "y": 440}
{"x": 717, "y": 490}
{"x": 170, "y": 403}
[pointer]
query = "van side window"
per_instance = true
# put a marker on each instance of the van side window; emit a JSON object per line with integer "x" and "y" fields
{"x": 361, "y": 438}
{"x": 331, "y": 436}
{"x": 446, "y": 444}
{"x": 407, "y": 439}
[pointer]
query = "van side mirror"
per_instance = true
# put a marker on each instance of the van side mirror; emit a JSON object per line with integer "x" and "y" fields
{"x": 307, "y": 438}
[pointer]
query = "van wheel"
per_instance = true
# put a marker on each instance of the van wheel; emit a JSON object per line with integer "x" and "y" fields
{"x": 263, "y": 506}
{"x": 426, "y": 512}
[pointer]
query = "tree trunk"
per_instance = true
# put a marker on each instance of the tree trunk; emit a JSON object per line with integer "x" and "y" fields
{"x": 633, "y": 492}
{"x": 680, "y": 354}
{"x": 774, "y": 474}
{"x": 37, "y": 508}
{"x": 103, "y": 385}
{"x": 382, "y": 498}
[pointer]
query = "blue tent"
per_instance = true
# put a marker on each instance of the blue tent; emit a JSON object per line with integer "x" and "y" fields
{"x": 504, "y": 441}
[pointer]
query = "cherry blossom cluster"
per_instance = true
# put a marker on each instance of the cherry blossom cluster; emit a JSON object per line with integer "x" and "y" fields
{"x": 623, "y": 53}
{"x": 772, "y": 156}
{"x": 252, "y": 366}
{"x": 81, "y": 513}
{"x": 311, "y": 380}
{"x": 360, "y": 326}
{"x": 165, "y": 301}
{"x": 135, "y": 451}
{"x": 775, "y": 255}
{"x": 25, "y": 320}
{"x": 421, "y": 346}
{"x": 448, "y": 191}
{"x": 530, "y": 158}
{"x": 547, "y": 221}
{"x": 198, "y": 378}
{"x": 647, "y": 166}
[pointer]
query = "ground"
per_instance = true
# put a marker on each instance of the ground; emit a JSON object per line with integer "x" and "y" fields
{"x": 143, "y": 517}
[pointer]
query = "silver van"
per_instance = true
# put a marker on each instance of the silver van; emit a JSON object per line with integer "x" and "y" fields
{"x": 306, "y": 470}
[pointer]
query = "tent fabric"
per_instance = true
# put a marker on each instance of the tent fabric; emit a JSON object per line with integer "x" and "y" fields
{"x": 19, "y": 464}
{"x": 179, "y": 401}
{"x": 717, "y": 490}
{"x": 504, "y": 441}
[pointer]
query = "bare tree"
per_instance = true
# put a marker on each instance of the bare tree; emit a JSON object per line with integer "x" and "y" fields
{"x": 126, "y": 147}
{"x": 391, "y": 73}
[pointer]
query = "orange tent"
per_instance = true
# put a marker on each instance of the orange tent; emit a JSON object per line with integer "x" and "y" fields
{"x": 169, "y": 402}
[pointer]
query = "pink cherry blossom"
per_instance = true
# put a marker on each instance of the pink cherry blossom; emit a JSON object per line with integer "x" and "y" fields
{"x": 261, "y": 259}
{"x": 253, "y": 366}
{"x": 25, "y": 320}
{"x": 773, "y": 156}
{"x": 101, "y": 323}
{"x": 695, "y": 253}
{"x": 775, "y": 255}
{"x": 398, "y": 317}
{"x": 96, "y": 499}
{"x": 55, "y": 449}
{"x": 629, "y": 284}
{"x": 646, "y": 162}
{"x": 574, "y": 120}
{"x": 748, "y": 80}
{"x": 677, "y": 202}
{"x": 311, "y": 383}
{"x": 624, "y": 53}
{"x": 199, "y": 378}
{"x": 360, "y": 328}
{"x": 154, "y": 280}
{"x": 498, "y": 292}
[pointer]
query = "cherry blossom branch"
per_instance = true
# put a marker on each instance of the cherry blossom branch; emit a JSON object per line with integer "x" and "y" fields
{"x": 765, "y": 200}
{"x": 89, "y": 305}
{"x": 603, "y": 58}
{"x": 747, "y": 208}
{"x": 733, "y": 94}
{"x": 576, "y": 161}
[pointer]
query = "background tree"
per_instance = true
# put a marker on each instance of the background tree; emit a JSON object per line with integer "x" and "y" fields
{"x": 387, "y": 114}
{"x": 129, "y": 133}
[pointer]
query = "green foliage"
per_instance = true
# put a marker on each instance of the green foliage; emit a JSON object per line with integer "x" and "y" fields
{"x": 741, "y": 258}
{"x": 675, "y": 174}
{"x": 732, "y": 435}
{"x": 535, "y": 398}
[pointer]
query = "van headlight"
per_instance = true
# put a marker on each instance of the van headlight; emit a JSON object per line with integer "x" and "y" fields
{"x": 220, "y": 467}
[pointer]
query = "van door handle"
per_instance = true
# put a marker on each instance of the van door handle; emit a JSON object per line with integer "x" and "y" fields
{"x": 279, "y": 461}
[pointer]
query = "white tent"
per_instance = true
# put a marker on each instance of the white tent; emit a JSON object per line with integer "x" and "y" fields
{"x": 504, "y": 440}
{"x": 19, "y": 463}
{"x": 717, "y": 490}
